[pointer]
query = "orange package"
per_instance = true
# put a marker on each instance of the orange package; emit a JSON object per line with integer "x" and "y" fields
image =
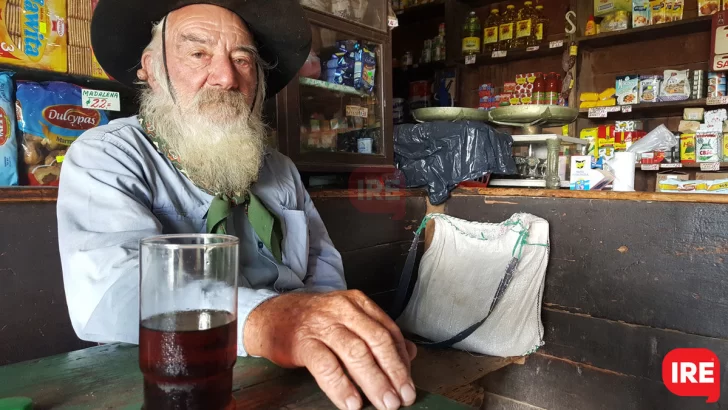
{"x": 33, "y": 34}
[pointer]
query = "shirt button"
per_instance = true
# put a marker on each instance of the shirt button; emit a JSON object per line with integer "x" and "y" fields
{"x": 260, "y": 245}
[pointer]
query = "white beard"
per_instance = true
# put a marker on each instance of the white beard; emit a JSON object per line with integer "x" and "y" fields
{"x": 219, "y": 141}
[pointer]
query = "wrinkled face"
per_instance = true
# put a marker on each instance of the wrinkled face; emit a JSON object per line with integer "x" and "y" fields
{"x": 208, "y": 47}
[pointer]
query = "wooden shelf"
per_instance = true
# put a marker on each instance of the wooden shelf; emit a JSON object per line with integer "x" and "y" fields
{"x": 427, "y": 11}
{"x": 330, "y": 87}
{"x": 657, "y": 31}
{"x": 669, "y": 167}
{"x": 515, "y": 55}
{"x": 31, "y": 74}
{"x": 661, "y": 109}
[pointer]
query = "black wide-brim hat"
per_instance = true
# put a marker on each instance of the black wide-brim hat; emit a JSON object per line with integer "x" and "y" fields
{"x": 122, "y": 29}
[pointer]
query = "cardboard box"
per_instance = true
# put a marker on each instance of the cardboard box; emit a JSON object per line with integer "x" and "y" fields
{"x": 709, "y": 176}
{"x": 662, "y": 176}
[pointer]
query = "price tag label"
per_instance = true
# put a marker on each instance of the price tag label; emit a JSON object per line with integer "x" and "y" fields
{"x": 671, "y": 165}
{"x": 499, "y": 54}
{"x": 356, "y": 111}
{"x": 598, "y": 112}
{"x": 556, "y": 44}
{"x": 392, "y": 22}
{"x": 532, "y": 48}
{"x": 613, "y": 108}
{"x": 710, "y": 166}
{"x": 650, "y": 167}
{"x": 470, "y": 59}
{"x": 626, "y": 108}
{"x": 100, "y": 100}
{"x": 717, "y": 100}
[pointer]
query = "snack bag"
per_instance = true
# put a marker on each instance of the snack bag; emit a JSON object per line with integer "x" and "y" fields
{"x": 33, "y": 34}
{"x": 8, "y": 144}
{"x": 51, "y": 118}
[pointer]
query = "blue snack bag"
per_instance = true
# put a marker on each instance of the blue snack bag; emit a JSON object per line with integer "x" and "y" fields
{"x": 51, "y": 117}
{"x": 8, "y": 142}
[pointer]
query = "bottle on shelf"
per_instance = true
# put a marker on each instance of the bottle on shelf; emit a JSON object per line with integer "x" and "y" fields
{"x": 439, "y": 44}
{"x": 505, "y": 31}
{"x": 552, "y": 89}
{"x": 541, "y": 24}
{"x": 591, "y": 27}
{"x": 490, "y": 32}
{"x": 539, "y": 90}
{"x": 525, "y": 27}
{"x": 471, "y": 35}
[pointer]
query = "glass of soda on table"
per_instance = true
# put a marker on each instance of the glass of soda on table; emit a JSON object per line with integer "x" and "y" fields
{"x": 188, "y": 320}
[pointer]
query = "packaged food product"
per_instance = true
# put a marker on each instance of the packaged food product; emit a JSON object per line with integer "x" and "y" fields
{"x": 8, "y": 142}
{"x": 509, "y": 87}
{"x": 617, "y": 21}
{"x": 725, "y": 147}
{"x": 649, "y": 88}
{"x": 657, "y": 11}
{"x": 365, "y": 69}
{"x": 687, "y": 148}
{"x": 607, "y": 103}
{"x": 708, "y": 7}
{"x": 591, "y": 27}
{"x": 663, "y": 178}
{"x": 33, "y": 34}
{"x": 693, "y": 114}
{"x": 675, "y": 85}
{"x": 640, "y": 13}
{"x": 628, "y": 125}
{"x": 677, "y": 9}
{"x": 608, "y": 93}
{"x": 51, "y": 118}
{"x": 707, "y": 147}
{"x": 717, "y": 186}
{"x": 627, "y": 89}
{"x": 688, "y": 126}
{"x": 604, "y": 7}
{"x": 717, "y": 84}
{"x": 588, "y": 97}
{"x": 587, "y": 104}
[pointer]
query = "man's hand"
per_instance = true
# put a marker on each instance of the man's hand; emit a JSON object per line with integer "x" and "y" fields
{"x": 331, "y": 334}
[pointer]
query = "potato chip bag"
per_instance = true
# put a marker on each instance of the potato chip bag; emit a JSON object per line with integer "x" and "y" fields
{"x": 51, "y": 118}
{"x": 8, "y": 143}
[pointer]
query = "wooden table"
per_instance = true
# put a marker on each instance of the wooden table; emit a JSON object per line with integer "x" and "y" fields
{"x": 109, "y": 377}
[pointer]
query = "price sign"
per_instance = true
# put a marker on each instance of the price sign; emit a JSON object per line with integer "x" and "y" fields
{"x": 717, "y": 100}
{"x": 613, "y": 108}
{"x": 532, "y": 48}
{"x": 598, "y": 112}
{"x": 470, "y": 59}
{"x": 499, "y": 54}
{"x": 100, "y": 100}
{"x": 710, "y": 166}
{"x": 392, "y": 22}
{"x": 671, "y": 165}
{"x": 556, "y": 44}
{"x": 356, "y": 111}
{"x": 626, "y": 108}
{"x": 650, "y": 167}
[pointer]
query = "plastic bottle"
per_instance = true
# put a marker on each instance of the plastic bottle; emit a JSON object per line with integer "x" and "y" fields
{"x": 525, "y": 26}
{"x": 541, "y": 24}
{"x": 490, "y": 32}
{"x": 471, "y": 35}
{"x": 591, "y": 27}
{"x": 552, "y": 89}
{"x": 505, "y": 31}
{"x": 539, "y": 90}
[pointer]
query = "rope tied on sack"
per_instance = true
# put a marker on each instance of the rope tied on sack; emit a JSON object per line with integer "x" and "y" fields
{"x": 516, "y": 253}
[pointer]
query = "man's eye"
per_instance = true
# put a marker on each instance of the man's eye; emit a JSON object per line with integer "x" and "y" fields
{"x": 244, "y": 62}
{"x": 198, "y": 54}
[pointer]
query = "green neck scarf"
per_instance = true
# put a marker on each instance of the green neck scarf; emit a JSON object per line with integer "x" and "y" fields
{"x": 264, "y": 223}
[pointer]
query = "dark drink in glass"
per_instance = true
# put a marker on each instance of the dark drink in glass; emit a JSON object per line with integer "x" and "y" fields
{"x": 188, "y": 321}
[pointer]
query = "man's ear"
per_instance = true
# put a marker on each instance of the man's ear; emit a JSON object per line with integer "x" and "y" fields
{"x": 146, "y": 73}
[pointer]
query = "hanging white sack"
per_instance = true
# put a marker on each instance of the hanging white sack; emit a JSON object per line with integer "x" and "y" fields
{"x": 481, "y": 272}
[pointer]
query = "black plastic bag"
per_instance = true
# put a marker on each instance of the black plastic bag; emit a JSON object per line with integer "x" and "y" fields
{"x": 442, "y": 154}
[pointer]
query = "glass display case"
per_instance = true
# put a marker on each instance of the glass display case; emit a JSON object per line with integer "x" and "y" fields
{"x": 371, "y": 13}
{"x": 334, "y": 115}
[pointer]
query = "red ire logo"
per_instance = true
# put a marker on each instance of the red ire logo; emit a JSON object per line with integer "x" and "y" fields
{"x": 692, "y": 372}
{"x": 379, "y": 191}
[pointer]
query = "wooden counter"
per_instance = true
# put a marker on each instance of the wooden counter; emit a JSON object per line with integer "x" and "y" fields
{"x": 50, "y": 194}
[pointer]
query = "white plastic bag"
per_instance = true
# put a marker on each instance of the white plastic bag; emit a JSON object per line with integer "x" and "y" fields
{"x": 659, "y": 139}
{"x": 460, "y": 275}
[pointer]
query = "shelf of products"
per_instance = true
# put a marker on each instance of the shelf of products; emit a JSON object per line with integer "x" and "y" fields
{"x": 543, "y": 50}
{"x": 651, "y": 32}
{"x": 426, "y": 11}
{"x": 667, "y": 167}
{"x": 523, "y": 183}
{"x": 32, "y": 74}
{"x": 666, "y": 109}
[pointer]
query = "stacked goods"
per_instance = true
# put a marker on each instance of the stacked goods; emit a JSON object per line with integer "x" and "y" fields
{"x": 79, "y": 37}
{"x": 8, "y": 143}
{"x": 34, "y": 34}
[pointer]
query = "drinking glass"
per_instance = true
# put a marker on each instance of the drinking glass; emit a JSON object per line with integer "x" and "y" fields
{"x": 188, "y": 320}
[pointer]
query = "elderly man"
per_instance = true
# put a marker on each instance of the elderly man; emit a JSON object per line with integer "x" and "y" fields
{"x": 195, "y": 160}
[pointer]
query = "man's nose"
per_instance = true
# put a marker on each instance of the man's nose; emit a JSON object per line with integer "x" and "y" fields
{"x": 223, "y": 74}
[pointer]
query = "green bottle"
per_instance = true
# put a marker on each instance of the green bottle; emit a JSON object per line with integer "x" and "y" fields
{"x": 471, "y": 35}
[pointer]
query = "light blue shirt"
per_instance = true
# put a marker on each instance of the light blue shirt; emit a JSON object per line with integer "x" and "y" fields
{"x": 116, "y": 189}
